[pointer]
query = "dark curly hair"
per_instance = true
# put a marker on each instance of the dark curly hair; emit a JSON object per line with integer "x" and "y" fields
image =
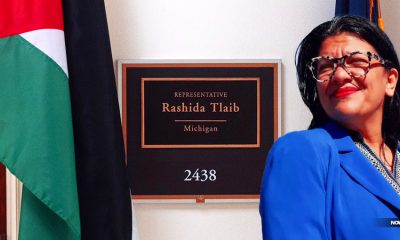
{"x": 368, "y": 31}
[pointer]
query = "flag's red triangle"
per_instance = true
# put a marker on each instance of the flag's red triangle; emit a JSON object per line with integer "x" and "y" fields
{"x": 19, "y": 16}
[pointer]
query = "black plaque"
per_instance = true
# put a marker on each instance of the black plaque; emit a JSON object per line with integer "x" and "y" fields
{"x": 198, "y": 130}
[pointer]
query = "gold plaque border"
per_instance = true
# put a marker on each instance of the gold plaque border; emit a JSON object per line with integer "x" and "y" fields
{"x": 125, "y": 66}
{"x": 200, "y": 79}
{"x": 199, "y": 198}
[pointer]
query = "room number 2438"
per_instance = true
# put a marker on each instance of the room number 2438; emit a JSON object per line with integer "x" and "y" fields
{"x": 200, "y": 175}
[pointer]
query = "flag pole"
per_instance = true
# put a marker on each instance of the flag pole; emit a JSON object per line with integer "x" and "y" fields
{"x": 371, "y": 9}
{"x": 381, "y": 23}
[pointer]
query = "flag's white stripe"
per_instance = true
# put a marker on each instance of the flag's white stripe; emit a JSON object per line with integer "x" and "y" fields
{"x": 51, "y": 42}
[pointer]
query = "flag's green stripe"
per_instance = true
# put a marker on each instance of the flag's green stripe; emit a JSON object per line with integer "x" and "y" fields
{"x": 48, "y": 226}
{"x": 36, "y": 141}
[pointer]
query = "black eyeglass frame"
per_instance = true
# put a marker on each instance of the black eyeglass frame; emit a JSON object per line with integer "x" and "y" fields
{"x": 341, "y": 60}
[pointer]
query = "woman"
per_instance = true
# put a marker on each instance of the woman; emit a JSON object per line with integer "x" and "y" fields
{"x": 339, "y": 179}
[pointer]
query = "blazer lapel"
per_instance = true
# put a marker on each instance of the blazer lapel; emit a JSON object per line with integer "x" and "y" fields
{"x": 359, "y": 167}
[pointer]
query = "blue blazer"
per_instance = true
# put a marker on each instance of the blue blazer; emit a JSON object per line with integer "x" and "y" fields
{"x": 318, "y": 185}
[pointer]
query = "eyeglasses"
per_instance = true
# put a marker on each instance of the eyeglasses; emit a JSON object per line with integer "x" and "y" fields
{"x": 356, "y": 64}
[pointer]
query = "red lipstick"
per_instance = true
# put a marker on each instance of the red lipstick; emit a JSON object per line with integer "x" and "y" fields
{"x": 345, "y": 91}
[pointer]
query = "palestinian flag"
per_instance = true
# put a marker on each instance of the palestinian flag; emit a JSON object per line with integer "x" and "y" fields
{"x": 36, "y": 135}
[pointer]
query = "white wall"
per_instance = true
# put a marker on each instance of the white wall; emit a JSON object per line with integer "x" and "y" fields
{"x": 391, "y": 16}
{"x": 219, "y": 29}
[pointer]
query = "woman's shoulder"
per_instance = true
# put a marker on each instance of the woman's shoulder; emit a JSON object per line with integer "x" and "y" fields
{"x": 303, "y": 147}
{"x": 312, "y": 137}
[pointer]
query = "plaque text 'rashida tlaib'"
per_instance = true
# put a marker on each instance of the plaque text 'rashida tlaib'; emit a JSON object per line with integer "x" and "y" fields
{"x": 200, "y": 112}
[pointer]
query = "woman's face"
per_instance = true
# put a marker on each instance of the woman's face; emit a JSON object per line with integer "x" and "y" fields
{"x": 350, "y": 100}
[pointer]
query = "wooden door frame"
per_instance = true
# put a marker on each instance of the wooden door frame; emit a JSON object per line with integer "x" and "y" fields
{"x": 3, "y": 203}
